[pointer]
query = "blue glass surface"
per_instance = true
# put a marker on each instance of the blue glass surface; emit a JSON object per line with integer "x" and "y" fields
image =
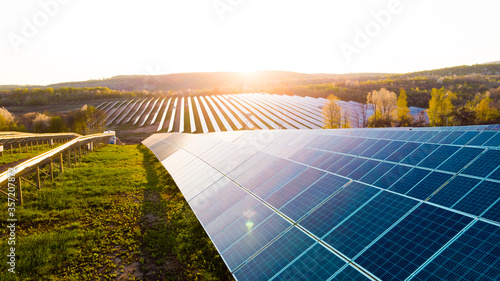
{"x": 473, "y": 256}
{"x": 416, "y": 135}
{"x": 269, "y": 186}
{"x": 350, "y": 144}
{"x": 337, "y": 166}
{"x": 439, "y": 137}
{"x": 316, "y": 264}
{"x": 429, "y": 185}
{"x": 454, "y": 191}
{"x": 330, "y": 161}
{"x": 453, "y": 136}
{"x": 388, "y": 150}
{"x": 350, "y": 274}
{"x": 437, "y": 157}
{"x": 254, "y": 240}
{"x": 493, "y": 213}
{"x": 485, "y": 164}
{"x": 362, "y": 147}
{"x": 482, "y": 138}
{"x": 419, "y": 154}
{"x": 465, "y": 138}
{"x": 351, "y": 166}
{"x": 276, "y": 256}
{"x": 377, "y": 172}
{"x": 368, "y": 223}
{"x": 480, "y": 198}
{"x": 402, "y": 152}
{"x": 392, "y": 176}
{"x": 494, "y": 141}
{"x": 312, "y": 196}
{"x": 375, "y": 148}
{"x": 337, "y": 208}
{"x": 409, "y": 180}
{"x": 294, "y": 187}
{"x": 412, "y": 242}
{"x": 456, "y": 162}
{"x": 363, "y": 169}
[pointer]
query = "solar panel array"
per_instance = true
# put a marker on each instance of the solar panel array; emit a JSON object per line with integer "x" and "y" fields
{"x": 202, "y": 114}
{"x": 352, "y": 204}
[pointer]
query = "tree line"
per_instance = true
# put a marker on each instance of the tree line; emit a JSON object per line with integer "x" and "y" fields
{"x": 86, "y": 120}
{"x": 391, "y": 110}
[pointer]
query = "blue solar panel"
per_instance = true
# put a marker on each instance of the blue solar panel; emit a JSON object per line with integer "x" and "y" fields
{"x": 437, "y": 157}
{"x": 409, "y": 180}
{"x": 420, "y": 153}
{"x": 465, "y": 138}
{"x": 404, "y": 151}
{"x": 456, "y": 162}
{"x": 350, "y": 274}
{"x": 337, "y": 166}
{"x": 362, "y": 146}
{"x": 481, "y": 138}
{"x": 376, "y": 172}
{"x": 368, "y": 223}
{"x": 276, "y": 256}
{"x": 363, "y": 169}
{"x": 294, "y": 187}
{"x": 274, "y": 183}
{"x": 347, "y": 226}
{"x": 333, "y": 211}
{"x": 485, "y": 164}
{"x": 480, "y": 198}
{"x": 351, "y": 166}
{"x": 317, "y": 263}
{"x": 454, "y": 191}
{"x": 372, "y": 150}
{"x": 494, "y": 141}
{"x": 429, "y": 185}
{"x": 439, "y": 137}
{"x": 410, "y": 243}
{"x": 473, "y": 256}
{"x": 493, "y": 213}
{"x": 388, "y": 150}
{"x": 453, "y": 136}
{"x": 254, "y": 240}
{"x": 312, "y": 196}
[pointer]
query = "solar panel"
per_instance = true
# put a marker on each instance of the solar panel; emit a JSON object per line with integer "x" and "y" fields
{"x": 351, "y": 204}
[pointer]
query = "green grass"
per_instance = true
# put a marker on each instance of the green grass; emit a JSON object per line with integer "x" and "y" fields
{"x": 37, "y": 150}
{"x": 117, "y": 214}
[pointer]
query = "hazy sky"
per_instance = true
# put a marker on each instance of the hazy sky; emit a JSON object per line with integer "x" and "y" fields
{"x": 49, "y": 41}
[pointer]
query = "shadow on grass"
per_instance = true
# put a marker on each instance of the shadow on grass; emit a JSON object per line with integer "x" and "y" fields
{"x": 174, "y": 242}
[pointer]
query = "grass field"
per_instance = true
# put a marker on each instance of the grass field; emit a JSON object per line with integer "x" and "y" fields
{"x": 116, "y": 216}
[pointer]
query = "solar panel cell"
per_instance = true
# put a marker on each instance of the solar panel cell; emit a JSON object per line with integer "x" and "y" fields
{"x": 460, "y": 159}
{"x": 454, "y": 191}
{"x": 485, "y": 164}
{"x": 410, "y": 243}
{"x": 480, "y": 198}
{"x": 438, "y": 156}
{"x": 409, "y": 180}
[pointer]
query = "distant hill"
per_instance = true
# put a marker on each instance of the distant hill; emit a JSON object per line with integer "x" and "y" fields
{"x": 207, "y": 80}
{"x": 259, "y": 79}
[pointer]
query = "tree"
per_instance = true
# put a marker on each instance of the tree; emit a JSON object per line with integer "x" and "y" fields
{"x": 383, "y": 102}
{"x": 403, "y": 115}
{"x": 56, "y": 125}
{"x": 333, "y": 115}
{"x": 441, "y": 108}
{"x": 465, "y": 115}
{"x": 484, "y": 112}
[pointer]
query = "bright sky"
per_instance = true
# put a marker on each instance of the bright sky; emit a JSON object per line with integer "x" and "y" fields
{"x": 50, "y": 41}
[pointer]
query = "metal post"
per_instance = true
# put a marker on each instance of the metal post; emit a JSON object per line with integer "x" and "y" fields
{"x": 38, "y": 177}
{"x": 11, "y": 150}
{"x": 37, "y": 148}
{"x": 51, "y": 171}
{"x": 61, "y": 162}
{"x": 19, "y": 191}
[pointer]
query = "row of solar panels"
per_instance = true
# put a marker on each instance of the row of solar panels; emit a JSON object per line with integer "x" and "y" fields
{"x": 354, "y": 204}
{"x": 224, "y": 113}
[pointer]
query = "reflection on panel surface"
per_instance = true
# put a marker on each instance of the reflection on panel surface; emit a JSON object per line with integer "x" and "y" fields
{"x": 351, "y": 204}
